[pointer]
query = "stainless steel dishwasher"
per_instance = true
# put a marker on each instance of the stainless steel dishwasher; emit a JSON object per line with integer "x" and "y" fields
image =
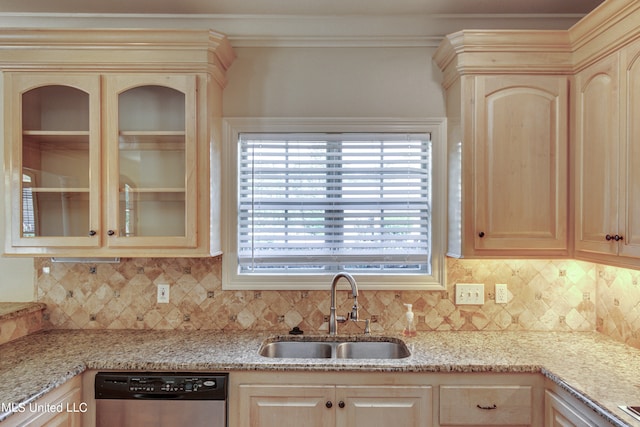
{"x": 126, "y": 399}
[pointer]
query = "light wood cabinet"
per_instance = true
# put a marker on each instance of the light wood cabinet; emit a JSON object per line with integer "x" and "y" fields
{"x": 268, "y": 400}
{"x": 607, "y": 158}
{"x": 120, "y": 160}
{"x": 486, "y": 405}
{"x": 563, "y": 409}
{"x": 333, "y": 406}
{"x": 286, "y": 405}
{"x": 62, "y": 407}
{"x": 507, "y": 148}
{"x": 558, "y": 413}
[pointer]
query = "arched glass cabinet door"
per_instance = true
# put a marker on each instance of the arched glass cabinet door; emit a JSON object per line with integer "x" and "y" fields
{"x": 54, "y": 160}
{"x": 152, "y": 161}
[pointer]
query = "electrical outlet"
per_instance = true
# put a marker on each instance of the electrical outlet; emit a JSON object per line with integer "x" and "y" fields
{"x": 469, "y": 293}
{"x": 163, "y": 294}
{"x": 502, "y": 294}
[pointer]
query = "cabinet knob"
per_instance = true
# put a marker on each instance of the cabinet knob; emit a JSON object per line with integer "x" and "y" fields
{"x": 481, "y": 234}
{"x": 617, "y": 238}
{"x": 341, "y": 404}
{"x": 609, "y": 237}
{"x": 111, "y": 232}
{"x": 328, "y": 404}
{"x": 92, "y": 232}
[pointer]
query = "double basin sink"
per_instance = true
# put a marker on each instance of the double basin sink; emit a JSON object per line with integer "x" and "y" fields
{"x": 335, "y": 348}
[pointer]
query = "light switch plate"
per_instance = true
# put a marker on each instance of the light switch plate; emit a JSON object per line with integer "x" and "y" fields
{"x": 469, "y": 293}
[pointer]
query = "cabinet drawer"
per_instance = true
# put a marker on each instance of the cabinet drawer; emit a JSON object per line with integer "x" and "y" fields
{"x": 485, "y": 405}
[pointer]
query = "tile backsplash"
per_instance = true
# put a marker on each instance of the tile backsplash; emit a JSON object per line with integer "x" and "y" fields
{"x": 545, "y": 295}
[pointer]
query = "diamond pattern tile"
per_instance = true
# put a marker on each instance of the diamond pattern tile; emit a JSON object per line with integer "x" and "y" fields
{"x": 544, "y": 295}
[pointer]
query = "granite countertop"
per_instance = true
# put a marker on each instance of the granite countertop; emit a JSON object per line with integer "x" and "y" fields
{"x": 601, "y": 372}
{"x": 11, "y": 310}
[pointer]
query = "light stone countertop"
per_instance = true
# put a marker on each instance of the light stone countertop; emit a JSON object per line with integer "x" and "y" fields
{"x": 11, "y": 310}
{"x": 601, "y": 372}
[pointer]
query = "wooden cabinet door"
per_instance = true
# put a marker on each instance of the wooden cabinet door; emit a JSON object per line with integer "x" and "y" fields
{"x": 52, "y": 158}
{"x": 597, "y": 137}
{"x": 630, "y": 157}
{"x": 560, "y": 414}
{"x": 152, "y": 173}
{"x": 286, "y": 406}
{"x": 520, "y": 162}
{"x": 402, "y": 406}
{"x": 59, "y": 408}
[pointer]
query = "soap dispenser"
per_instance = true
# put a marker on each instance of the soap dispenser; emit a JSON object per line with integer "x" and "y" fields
{"x": 409, "y": 329}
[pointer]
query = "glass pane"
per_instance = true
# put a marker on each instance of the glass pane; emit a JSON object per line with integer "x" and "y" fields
{"x": 152, "y": 162}
{"x": 151, "y": 214}
{"x": 55, "y": 162}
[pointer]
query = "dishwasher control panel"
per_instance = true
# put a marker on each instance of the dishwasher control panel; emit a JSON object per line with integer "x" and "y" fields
{"x": 154, "y": 385}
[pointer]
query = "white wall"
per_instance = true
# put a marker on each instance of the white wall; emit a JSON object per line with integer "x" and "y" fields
{"x": 334, "y": 82}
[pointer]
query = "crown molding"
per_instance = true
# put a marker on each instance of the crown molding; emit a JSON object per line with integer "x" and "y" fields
{"x": 302, "y": 30}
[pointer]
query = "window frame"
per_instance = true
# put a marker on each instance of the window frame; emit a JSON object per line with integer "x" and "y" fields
{"x": 233, "y": 127}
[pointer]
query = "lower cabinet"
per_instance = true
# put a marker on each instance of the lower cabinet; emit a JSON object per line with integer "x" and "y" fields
{"x": 330, "y": 406}
{"x": 61, "y": 407}
{"x": 334, "y": 399}
{"x": 486, "y": 405}
{"x": 563, "y": 410}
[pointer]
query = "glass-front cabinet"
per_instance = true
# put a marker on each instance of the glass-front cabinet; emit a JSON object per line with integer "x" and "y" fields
{"x": 55, "y": 159}
{"x": 103, "y": 161}
{"x": 151, "y": 179}
{"x": 112, "y": 141}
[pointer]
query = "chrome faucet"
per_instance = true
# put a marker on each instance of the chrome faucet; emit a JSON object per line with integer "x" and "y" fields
{"x": 333, "y": 319}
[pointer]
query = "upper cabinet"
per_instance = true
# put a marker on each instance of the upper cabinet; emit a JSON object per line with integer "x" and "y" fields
{"x": 53, "y": 141}
{"x": 607, "y": 158}
{"x": 152, "y": 178}
{"x": 507, "y": 146}
{"x": 117, "y": 160}
{"x": 544, "y": 139}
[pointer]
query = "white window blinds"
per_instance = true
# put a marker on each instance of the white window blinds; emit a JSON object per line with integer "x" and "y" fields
{"x": 313, "y": 203}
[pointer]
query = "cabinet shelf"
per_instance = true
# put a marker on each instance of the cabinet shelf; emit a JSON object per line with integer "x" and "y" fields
{"x": 56, "y": 137}
{"x": 58, "y": 190}
{"x": 151, "y": 140}
{"x": 153, "y": 190}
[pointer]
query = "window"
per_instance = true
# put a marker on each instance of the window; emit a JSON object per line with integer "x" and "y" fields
{"x": 310, "y": 204}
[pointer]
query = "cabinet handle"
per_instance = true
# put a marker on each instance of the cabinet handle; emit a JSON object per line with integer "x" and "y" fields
{"x": 617, "y": 238}
{"x": 488, "y": 408}
{"x": 328, "y": 404}
{"x": 92, "y": 232}
{"x": 481, "y": 234}
{"x": 609, "y": 237}
{"x": 111, "y": 232}
{"x": 341, "y": 404}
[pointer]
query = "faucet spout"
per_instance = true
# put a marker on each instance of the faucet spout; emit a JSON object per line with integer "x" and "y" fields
{"x": 333, "y": 325}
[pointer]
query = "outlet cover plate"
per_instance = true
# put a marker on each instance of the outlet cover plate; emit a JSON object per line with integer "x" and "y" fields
{"x": 469, "y": 293}
{"x": 163, "y": 294}
{"x": 502, "y": 294}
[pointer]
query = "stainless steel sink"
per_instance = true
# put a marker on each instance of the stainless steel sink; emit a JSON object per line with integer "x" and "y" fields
{"x": 372, "y": 350}
{"x": 320, "y": 348}
{"x": 297, "y": 349}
